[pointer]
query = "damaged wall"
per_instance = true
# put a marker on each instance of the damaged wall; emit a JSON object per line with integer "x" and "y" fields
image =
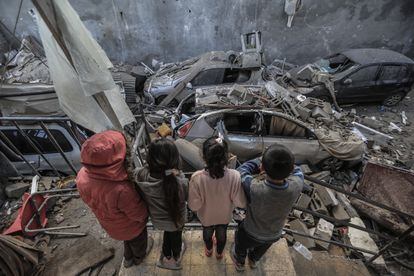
{"x": 170, "y": 30}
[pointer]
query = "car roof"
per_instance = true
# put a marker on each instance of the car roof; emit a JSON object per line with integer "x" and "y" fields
{"x": 370, "y": 55}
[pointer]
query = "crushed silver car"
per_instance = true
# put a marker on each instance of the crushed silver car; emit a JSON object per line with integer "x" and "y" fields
{"x": 178, "y": 80}
{"x": 251, "y": 122}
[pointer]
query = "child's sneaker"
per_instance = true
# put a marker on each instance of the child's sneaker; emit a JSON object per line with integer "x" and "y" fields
{"x": 252, "y": 264}
{"x": 207, "y": 252}
{"x": 239, "y": 267}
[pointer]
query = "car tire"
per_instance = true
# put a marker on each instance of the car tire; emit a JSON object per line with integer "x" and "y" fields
{"x": 330, "y": 164}
{"x": 393, "y": 99}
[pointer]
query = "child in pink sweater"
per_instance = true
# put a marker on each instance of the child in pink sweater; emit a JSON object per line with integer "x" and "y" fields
{"x": 214, "y": 193}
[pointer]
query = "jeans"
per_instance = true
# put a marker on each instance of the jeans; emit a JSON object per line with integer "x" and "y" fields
{"x": 136, "y": 248}
{"x": 221, "y": 236}
{"x": 246, "y": 245}
{"x": 171, "y": 245}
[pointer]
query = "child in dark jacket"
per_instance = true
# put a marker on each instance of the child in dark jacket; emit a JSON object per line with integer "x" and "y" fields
{"x": 165, "y": 190}
{"x": 104, "y": 186}
{"x": 269, "y": 203}
{"x": 214, "y": 192}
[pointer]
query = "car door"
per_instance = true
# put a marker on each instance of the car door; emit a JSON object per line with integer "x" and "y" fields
{"x": 241, "y": 131}
{"x": 392, "y": 79}
{"x": 358, "y": 86}
{"x": 300, "y": 140}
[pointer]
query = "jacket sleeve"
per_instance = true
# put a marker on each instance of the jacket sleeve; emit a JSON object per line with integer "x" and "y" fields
{"x": 298, "y": 174}
{"x": 237, "y": 194}
{"x": 195, "y": 200}
{"x": 247, "y": 170}
{"x": 132, "y": 205}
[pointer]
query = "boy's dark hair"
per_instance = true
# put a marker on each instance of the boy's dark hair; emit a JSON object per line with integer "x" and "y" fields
{"x": 163, "y": 155}
{"x": 278, "y": 162}
{"x": 215, "y": 154}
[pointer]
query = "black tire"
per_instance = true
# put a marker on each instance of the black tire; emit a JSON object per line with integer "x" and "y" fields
{"x": 393, "y": 99}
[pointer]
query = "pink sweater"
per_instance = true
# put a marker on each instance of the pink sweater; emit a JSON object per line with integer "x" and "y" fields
{"x": 215, "y": 199}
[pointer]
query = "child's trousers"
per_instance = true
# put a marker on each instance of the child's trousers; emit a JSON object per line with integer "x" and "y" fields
{"x": 136, "y": 248}
{"x": 220, "y": 233}
{"x": 246, "y": 245}
{"x": 171, "y": 245}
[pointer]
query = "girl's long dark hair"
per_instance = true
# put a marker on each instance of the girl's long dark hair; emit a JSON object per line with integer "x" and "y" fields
{"x": 215, "y": 154}
{"x": 163, "y": 155}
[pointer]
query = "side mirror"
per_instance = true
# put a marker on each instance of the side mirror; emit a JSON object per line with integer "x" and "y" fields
{"x": 189, "y": 85}
{"x": 347, "y": 81}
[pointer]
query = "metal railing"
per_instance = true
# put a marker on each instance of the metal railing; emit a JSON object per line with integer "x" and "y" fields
{"x": 41, "y": 122}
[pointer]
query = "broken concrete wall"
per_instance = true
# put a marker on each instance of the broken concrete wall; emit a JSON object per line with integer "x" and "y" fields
{"x": 130, "y": 30}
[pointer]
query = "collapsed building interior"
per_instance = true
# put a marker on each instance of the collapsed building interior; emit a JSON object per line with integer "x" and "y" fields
{"x": 331, "y": 80}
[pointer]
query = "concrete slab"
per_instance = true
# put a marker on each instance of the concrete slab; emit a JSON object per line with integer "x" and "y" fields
{"x": 277, "y": 260}
{"x": 323, "y": 264}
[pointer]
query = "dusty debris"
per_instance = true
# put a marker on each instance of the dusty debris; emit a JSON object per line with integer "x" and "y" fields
{"x": 324, "y": 230}
{"x": 59, "y": 218}
{"x": 17, "y": 257}
{"x": 79, "y": 257}
{"x": 362, "y": 239}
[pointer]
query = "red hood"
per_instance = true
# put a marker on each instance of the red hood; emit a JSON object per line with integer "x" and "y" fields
{"x": 103, "y": 156}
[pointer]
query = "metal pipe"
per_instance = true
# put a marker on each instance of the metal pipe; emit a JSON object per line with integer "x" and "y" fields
{"x": 338, "y": 222}
{"x": 66, "y": 234}
{"x": 56, "y": 145}
{"x": 32, "y": 144}
{"x": 357, "y": 196}
{"x": 34, "y": 118}
{"x": 401, "y": 237}
{"x": 68, "y": 127}
{"x": 52, "y": 228}
{"x": 329, "y": 241}
{"x": 56, "y": 191}
{"x": 4, "y": 137}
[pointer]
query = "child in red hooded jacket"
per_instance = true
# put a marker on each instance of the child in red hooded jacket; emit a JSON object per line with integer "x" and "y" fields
{"x": 104, "y": 186}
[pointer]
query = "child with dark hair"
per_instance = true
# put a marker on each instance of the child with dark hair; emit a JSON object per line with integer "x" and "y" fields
{"x": 269, "y": 203}
{"x": 214, "y": 192}
{"x": 165, "y": 189}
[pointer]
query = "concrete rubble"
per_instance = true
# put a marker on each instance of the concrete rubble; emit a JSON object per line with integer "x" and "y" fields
{"x": 355, "y": 201}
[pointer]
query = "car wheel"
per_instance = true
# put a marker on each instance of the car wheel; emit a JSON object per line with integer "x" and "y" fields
{"x": 330, "y": 164}
{"x": 393, "y": 99}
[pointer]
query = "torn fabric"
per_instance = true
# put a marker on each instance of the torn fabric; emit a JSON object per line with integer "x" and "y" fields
{"x": 344, "y": 147}
{"x": 85, "y": 80}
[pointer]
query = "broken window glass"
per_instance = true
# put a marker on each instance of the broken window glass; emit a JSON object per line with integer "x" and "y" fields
{"x": 278, "y": 126}
{"x": 236, "y": 75}
{"x": 209, "y": 77}
{"x": 390, "y": 72}
{"x": 244, "y": 123}
{"x": 364, "y": 74}
{"x": 39, "y": 138}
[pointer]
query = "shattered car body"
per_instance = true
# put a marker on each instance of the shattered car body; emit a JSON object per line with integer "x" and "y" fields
{"x": 209, "y": 69}
{"x": 29, "y": 98}
{"x": 352, "y": 76}
{"x": 39, "y": 137}
{"x": 249, "y": 132}
{"x": 253, "y": 117}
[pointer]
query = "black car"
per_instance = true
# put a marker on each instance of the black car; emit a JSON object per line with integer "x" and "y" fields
{"x": 357, "y": 75}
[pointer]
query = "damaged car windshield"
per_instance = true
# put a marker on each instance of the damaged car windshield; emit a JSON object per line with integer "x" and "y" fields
{"x": 335, "y": 64}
